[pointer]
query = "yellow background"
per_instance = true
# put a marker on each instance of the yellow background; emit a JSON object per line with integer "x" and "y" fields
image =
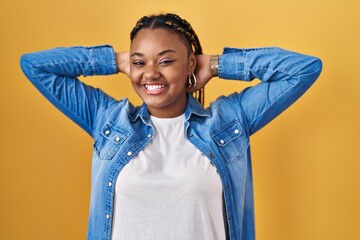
{"x": 306, "y": 162}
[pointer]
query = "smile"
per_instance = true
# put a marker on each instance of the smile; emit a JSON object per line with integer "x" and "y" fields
{"x": 154, "y": 88}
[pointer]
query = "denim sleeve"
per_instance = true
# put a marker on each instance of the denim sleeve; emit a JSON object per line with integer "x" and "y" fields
{"x": 54, "y": 73}
{"x": 284, "y": 77}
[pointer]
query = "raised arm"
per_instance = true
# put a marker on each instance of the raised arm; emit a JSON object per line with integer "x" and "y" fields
{"x": 54, "y": 73}
{"x": 284, "y": 77}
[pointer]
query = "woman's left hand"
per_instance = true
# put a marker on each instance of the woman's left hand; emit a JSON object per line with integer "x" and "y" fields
{"x": 202, "y": 72}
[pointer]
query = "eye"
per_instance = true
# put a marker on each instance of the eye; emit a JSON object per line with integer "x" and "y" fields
{"x": 138, "y": 63}
{"x": 166, "y": 62}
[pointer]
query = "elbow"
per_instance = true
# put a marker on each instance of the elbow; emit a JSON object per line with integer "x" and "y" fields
{"x": 317, "y": 66}
{"x": 29, "y": 64}
{"x": 25, "y": 64}
{"x": 308, "y": 73}
{"x": 312, "y": 70}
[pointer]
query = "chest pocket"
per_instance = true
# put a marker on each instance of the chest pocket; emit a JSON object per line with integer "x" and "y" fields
{"x": 109, "y": 141}
{"x": 231, "y": 141}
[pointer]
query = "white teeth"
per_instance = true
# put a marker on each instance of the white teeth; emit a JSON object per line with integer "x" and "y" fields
{"x": 154, "y": 87}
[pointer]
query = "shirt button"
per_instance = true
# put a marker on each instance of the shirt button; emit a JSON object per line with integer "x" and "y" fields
{"x": 212, "y": 155}
{"x": 117, "y": 139}
{"x": 149, "y": 135}
{"x": 107, "y": 132}
{"x": 191, "y": 135}
{"x": 222, "y": 141}
{"x": 236, "y": 131}
{"x": 110, "y": 184}
{"x": 129, "y": 153}
{"x": 107, "y": 216}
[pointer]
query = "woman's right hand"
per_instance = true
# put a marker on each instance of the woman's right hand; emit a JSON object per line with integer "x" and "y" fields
{"x": 123, "y": 62}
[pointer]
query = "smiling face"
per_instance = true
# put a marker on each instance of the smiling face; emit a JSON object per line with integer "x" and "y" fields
{"x": 159, "y": 68}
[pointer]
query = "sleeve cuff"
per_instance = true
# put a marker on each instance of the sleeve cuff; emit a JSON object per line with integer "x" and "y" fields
{"x": 102, "y": 60}
{"x": 231, "y": 64}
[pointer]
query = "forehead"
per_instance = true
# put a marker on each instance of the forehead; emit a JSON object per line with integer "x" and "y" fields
{"x": 156, "y": 40}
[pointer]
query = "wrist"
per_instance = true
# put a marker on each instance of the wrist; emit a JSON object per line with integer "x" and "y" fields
{"x": 119, "y": 61}
{"x": 122, "y": 62}
{"x": 214, "y": 65}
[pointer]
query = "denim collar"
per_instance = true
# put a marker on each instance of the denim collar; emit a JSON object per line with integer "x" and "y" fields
{"x": 192, "y": 107}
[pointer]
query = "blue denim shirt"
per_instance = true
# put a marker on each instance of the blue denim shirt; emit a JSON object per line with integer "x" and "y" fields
{"x": 221, "y": 131}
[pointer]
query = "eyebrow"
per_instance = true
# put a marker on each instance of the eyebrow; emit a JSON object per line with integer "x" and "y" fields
{"x": 159, "y": 54}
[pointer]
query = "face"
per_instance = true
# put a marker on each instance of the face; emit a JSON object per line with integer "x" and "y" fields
{"x": 159, "y": 68}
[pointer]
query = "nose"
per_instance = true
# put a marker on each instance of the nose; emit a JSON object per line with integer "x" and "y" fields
{"x": 151, "y": 73}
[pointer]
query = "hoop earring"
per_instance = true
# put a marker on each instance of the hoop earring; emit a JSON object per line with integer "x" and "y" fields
{"x": 192, "y": 81}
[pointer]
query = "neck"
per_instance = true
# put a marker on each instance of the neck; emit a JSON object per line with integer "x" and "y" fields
{"x": 168, "y": 111}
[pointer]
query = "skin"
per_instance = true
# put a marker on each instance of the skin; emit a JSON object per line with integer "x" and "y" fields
{"x": 158, "y": 65}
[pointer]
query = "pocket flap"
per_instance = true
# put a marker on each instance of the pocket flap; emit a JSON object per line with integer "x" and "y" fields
{"x": 228, "y": 133}
{"x": 114, "y": 134}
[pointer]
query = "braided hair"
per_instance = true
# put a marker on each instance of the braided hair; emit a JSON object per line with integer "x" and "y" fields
{"x": 174, "y": 23}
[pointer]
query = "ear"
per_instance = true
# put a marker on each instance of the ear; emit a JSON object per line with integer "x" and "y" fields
{"x": 192, "y": 63}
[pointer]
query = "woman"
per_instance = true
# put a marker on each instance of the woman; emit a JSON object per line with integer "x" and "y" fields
{"x": 171, "y": 169}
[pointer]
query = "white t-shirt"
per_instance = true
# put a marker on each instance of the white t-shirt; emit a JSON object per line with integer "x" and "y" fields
{"x": 169, "y": 191}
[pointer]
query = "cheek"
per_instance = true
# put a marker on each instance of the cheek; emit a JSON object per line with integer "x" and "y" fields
{"x": 184, "y": 79}
{"x": 182, "y": 83}
{"x": 179, "y": 73}
{"x": 135, "y": 76}
{"x": 178, "y": 78}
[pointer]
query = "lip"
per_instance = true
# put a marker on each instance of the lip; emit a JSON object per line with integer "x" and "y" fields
{"x": 154, "y": 89}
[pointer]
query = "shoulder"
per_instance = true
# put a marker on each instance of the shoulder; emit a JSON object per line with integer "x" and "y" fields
{"x": 226, "y": 109}
{"x": 119, "y": 112}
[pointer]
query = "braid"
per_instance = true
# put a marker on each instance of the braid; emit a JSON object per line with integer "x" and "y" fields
{"x": 187, "y": 31}
{"x": 175, "y": 23}
{"x": 137, "y": 27}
